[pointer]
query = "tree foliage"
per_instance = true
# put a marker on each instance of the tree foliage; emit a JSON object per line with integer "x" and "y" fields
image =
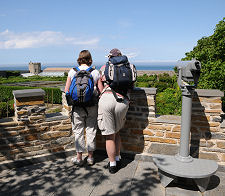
{"x": 210, "y": 51}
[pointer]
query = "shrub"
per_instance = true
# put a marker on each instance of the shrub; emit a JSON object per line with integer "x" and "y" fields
{"x": 7, "y": 95}
{"x": 142, "y": 84}
{"x": 161, "y": 82}
{"x": 168, "y": 97}
{"x": 12, "y": 73}
{"x": 53, "y": 95}
{"x": 7, "y": 92}
{"x": 3, "y": 109}
{"x": 169, "y": 102}
{"x": 161, "y": 86}
{"x": 146, "y": 78}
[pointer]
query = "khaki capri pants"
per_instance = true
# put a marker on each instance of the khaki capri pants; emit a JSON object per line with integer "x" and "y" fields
{"x": 111, "y": 114}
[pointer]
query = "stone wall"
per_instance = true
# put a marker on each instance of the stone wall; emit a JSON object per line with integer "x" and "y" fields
{"x": 33, "y": 133}
{"x": 207, "y": 136}
{"x": 144, "y": 132}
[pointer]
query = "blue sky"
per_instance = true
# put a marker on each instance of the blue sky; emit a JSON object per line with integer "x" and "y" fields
{"x": 55, "y": 31}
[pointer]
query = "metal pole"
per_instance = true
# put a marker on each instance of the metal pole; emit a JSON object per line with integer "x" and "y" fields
{"x": 185, "y": 124}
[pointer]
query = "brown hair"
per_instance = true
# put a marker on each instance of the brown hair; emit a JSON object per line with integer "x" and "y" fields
{"x": 84, "y": 58}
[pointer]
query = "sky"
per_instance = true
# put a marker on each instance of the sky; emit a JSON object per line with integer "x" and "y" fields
{"x": 55, "y": 31}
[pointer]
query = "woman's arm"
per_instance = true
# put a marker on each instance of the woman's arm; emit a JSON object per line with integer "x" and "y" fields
{"x": 68, "y": 82}
{"x": 100, "y": 85}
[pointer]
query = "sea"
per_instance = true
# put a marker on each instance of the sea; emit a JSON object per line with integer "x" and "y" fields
{"x": 139, "y": 66}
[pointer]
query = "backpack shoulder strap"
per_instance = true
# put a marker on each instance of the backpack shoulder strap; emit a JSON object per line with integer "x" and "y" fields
{"x": 76, "y": 69}
{"x": 90, "y": 69}
{"x": 110, "y": 63}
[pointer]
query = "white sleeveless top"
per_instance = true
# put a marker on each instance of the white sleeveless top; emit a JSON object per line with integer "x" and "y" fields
{"x": 95, "y": 73}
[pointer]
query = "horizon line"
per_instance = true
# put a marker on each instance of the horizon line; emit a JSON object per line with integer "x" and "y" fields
{"x": 94, "y": 62}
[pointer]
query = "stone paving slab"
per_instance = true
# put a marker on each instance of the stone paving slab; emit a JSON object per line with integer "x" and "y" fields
{"x": 118, "y": 183}
{"x": 82, "y": 181}
{"x": 28, "y": 180}
{"x": 146, "y": 180}
{"x": 60, "y": 177}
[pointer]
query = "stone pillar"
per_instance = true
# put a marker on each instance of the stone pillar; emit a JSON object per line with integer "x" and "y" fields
{"x": 206, "y": 132}
{"x": 66, "y": 109}
{"x": 29, "y": 105}
{"x": 140, "y": 114}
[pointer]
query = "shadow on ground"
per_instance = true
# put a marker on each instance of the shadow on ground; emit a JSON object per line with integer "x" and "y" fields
{"x": 61, "y": 177}
{"x": 46, "y": 178}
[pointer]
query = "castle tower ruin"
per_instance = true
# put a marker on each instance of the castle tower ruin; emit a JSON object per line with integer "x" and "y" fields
{"x": 34, "y": 68}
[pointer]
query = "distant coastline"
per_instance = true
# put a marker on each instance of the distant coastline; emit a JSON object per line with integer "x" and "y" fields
{"x": 142, "y": 68}
{"x": 155, "y": 72}
{"x": 138, "y": 67}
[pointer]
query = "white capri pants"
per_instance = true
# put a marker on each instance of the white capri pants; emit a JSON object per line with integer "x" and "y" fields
{"x": 80, "y": 122}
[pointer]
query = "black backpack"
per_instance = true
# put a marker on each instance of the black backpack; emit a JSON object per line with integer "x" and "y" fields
{"x": 120, "y": 74}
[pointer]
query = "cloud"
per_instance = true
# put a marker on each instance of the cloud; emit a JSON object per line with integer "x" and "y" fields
{"x": 155, "y": 61}
{"x": 130, "y": 52}
{"x": 11, "y": 40}
{"x": 124, "y": 23}
{"x": 131, "y": 55}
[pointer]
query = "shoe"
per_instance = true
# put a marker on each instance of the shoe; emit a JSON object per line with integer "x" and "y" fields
{"x": 118, "y": 164}
{"x": 77, "y": 162}
{"x": 90, "y": 161}
{"x": 112, "y": 169}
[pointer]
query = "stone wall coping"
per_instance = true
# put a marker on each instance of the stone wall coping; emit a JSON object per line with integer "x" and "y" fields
{"x": 169, "y": 119}
{"x": 62, "y": 88}
{"x": 209, "y": 93}
{"x": 150, "y": 91}
{"x": 28, "y": 93}
{"x": 55, "y": 117}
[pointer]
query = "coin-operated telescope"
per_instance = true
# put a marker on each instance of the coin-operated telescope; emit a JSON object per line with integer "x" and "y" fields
{"x": 182, "y": 164}
{"x": 188, "y": 71}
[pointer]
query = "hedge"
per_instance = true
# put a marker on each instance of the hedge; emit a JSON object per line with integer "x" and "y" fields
{"x": 161, "y": 81}
{"x": 16, "y": 79}
{"x": 3, "y": 109}
{"x": 6, "y": 95}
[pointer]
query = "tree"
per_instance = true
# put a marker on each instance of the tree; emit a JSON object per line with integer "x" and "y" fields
{"x": 210, "y": 51}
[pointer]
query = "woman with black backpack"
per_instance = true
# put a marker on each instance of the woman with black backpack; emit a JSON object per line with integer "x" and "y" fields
{"x": 118, "y": 77}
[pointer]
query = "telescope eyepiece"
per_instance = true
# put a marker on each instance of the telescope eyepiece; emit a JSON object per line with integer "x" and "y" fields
{"x": 197, "y": 65}
{"x": 189, "y": 70}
